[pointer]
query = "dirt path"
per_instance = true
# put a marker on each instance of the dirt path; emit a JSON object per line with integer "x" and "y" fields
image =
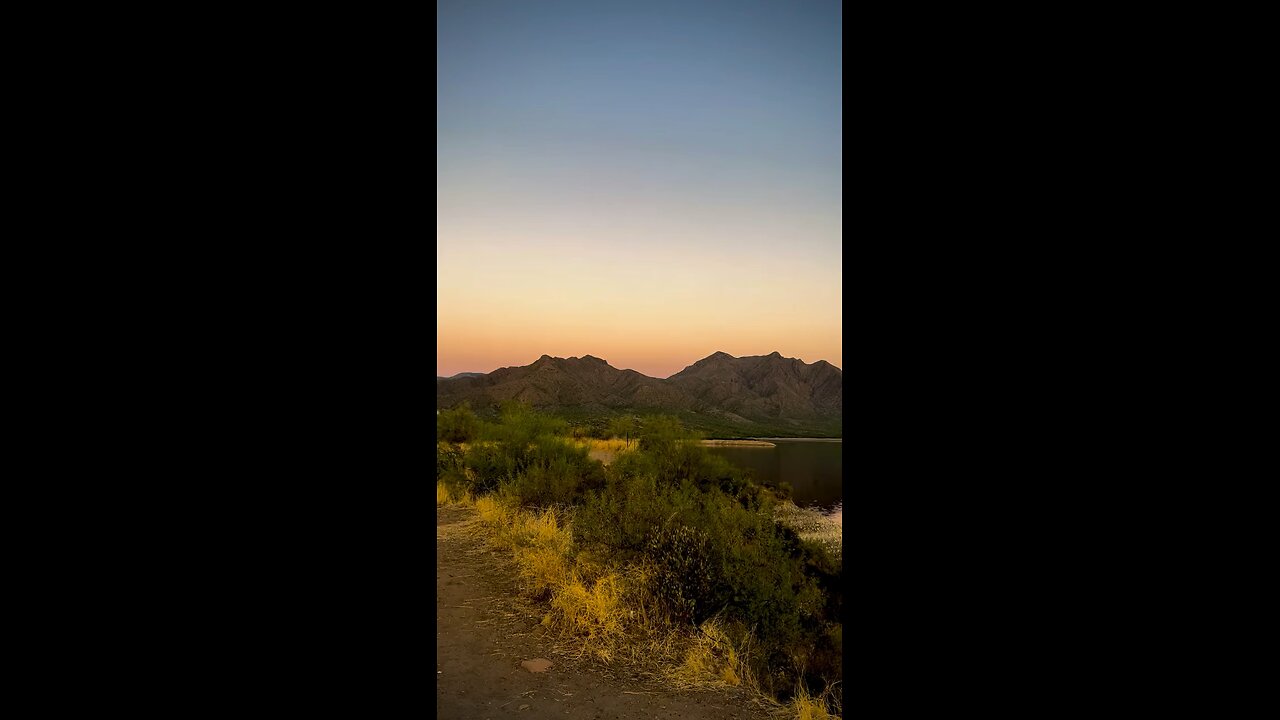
{"x": 484, "y": 630}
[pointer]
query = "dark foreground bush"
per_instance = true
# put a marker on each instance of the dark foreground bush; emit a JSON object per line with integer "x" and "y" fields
{"x": 556, "y": 473}
{"x": 687, "y": 571}
{"x": 448, "y": 459}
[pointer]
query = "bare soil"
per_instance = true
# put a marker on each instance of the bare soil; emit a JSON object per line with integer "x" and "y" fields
{"x": 485, "y": 630}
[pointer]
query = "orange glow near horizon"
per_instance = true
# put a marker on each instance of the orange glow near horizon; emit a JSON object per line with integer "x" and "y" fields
{"x": 651, "y": 309}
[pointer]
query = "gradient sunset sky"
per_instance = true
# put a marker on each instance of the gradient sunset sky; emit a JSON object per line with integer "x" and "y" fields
{"x": 647, "y": 182}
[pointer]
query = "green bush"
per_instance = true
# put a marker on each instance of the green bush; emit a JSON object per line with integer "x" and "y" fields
{"x": 686, "y": 575}
{"x": 618, "y": 519}
{"x": 457, "y": 425}
{"x": 449, "y": 458}
{"x": 556, "y": 473}
{"x": 490, "y": 466}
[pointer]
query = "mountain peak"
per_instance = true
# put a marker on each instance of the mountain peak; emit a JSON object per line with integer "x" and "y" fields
{"x": 719, "y": 355}
{"x": 774, "y": 354}
{"x": 594, "y": 359}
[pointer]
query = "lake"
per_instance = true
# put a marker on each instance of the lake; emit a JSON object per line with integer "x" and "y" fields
{"x": 812, "y": 467}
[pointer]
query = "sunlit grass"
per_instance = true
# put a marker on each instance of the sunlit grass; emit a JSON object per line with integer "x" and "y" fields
{"x": 808, "y": 707}
{"x": 613, "y": 445}
{"x": 495, "y": 513}
{"x": 593, "y": 614}
{"x": 711, "y": 660}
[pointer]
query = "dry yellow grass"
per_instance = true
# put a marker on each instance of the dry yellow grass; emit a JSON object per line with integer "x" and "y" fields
{"x": 541, "y": 530}
{"x": 593, "y": 615}
{"x": 613, "y": 445}
{"x": 541, "y": 570}
{"x": 541, "y": 543}
{"x": 494, "y": 513}
{"x": 710, "y": 661}
{"x": 590, "y": 613}
{"x": 807, "y": 707}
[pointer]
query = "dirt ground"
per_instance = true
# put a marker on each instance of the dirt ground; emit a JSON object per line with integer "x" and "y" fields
{"x": 484, "y": 630}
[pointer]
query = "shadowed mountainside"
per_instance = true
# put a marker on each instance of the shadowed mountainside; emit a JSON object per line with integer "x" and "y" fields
{"x": 720, "y": 393}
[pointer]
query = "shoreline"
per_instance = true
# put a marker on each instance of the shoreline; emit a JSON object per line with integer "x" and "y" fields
{"x": 795, "y": 439}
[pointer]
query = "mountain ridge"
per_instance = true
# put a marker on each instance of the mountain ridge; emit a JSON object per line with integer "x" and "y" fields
{"x": 753, "y": 393}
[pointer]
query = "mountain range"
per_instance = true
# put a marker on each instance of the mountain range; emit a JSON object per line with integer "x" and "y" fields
{"x": 721, "y": 394}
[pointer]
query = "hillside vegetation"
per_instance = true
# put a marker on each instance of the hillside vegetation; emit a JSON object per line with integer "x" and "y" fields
{"x": 669, "y": 557}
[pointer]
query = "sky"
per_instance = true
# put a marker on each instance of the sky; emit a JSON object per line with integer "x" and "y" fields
{"x": 647, "y": 182}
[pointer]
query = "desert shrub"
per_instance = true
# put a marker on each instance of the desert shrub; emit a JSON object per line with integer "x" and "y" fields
{"x": 759, "y": 578}
{"x": 490, "y": 465}
{"x": 623, "y": 427}
{"x": 609, "y": 521}
{"x": 715, "y": 471}
{"x": 672, "y": 454}
{"x": 632, "y": 464}
{"x": 448, "y": 458}
{"x": 686, "y": 571}
{"x": 710, "y": 553}
{"x": 618, "y": 519}
{"x": 662, "y": 438}
{"x": 518, "y": 425}
{"x": 554, "y": 472}
{"x": 457, "y": 425}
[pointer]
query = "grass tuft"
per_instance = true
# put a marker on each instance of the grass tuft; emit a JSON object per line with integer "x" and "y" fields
{"x": 592, "y": 614}
{"x": 710, "y": 661}
{"x": 807, "y": 707}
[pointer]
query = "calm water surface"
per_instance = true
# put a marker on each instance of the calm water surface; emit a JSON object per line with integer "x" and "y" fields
{"x": 812, "y": 467}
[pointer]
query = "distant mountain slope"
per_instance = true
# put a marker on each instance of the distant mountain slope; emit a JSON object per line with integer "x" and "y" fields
{"x": 747, "y": 394}
{"x": 763, "y": 386}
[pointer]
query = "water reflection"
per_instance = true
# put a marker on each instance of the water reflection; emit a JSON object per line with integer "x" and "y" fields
{"x": 813, "y": 469}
